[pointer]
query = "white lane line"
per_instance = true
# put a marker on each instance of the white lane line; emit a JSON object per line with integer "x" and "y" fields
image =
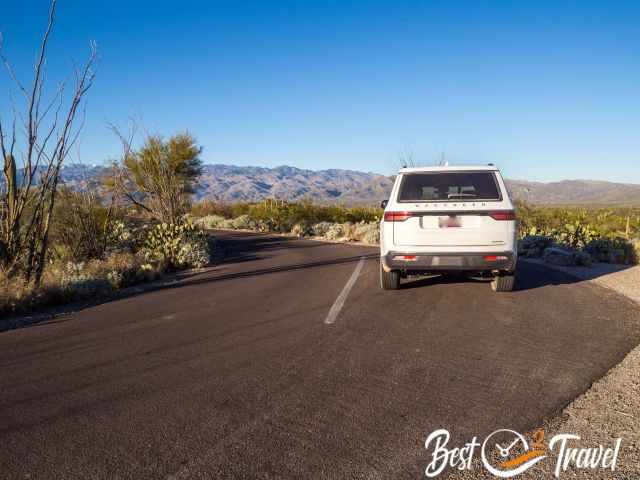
{"x": 339, "y": 303}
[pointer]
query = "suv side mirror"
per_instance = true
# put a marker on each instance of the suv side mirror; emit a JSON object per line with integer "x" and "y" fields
{"x": 383, "y": 204}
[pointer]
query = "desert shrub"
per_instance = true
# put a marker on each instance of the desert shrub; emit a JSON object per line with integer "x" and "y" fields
{"x": 227, "y": 224}
{"x": 77, "y": 282}
{"x": 606, "y": 222}
{"x": 565, "y": 257}
{"x": 559, "y": 256}
{"x": 244, "y": 222}
{"x": 335, "y": 231}
{"x": 349, "y": 232}
{"x": 320, "y": 229}
{"x": 368, "y": 233}
{"x": 262, "y": 226}
{"x": 124, "y": 269}
{"x": 301, "y": 230}
{"x": 612, "y": 250}
{"x": 177, "y": 245}
{"x": 210, "y": 221}
{"x": 83, "y": 229}
{"x": 282, "y": 216}
{"x": 533, "y": 246}
{"x": 582, "y": 259}
{"x": 238, "y": 209}
{"x": 211, "y": 207}
{"x": 15, "y": 294}
{"x": 69, "y": 281}
{"x": 636, "y": 249}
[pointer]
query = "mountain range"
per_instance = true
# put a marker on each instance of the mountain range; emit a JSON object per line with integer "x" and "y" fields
{"x": 229, "y": 183}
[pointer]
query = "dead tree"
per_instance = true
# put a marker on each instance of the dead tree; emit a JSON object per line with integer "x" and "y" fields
{"x": 34, "y": 145}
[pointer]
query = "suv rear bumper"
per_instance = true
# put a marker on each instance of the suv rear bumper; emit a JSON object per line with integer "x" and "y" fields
{"x": 449, "y": 261}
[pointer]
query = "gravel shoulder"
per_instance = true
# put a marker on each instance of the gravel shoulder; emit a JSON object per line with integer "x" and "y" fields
{"x": 610, "y": 409}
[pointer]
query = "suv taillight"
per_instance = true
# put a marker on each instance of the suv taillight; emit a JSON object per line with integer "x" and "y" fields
{"x": 396, "y": 216}
{"x": 503, "y": 215}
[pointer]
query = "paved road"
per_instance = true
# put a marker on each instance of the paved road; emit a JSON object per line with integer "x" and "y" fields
{"x": 235, "y": 374}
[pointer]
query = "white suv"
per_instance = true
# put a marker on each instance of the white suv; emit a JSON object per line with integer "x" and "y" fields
{"x": 444, "y": 219}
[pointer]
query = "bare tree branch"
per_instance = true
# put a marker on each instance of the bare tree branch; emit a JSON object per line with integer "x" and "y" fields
{"x": 28, "y": 199}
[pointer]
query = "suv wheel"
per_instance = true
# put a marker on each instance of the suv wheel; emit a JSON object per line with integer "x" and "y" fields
{"x": 503, "y": 283}
{"x": 389, "y": 280}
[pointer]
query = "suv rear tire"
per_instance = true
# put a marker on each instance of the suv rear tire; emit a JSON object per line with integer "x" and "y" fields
{"x": 503, "y": 283}
{"x": 389, "y": 280}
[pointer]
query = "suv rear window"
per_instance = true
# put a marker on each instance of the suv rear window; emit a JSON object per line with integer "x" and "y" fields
{"x": 438, "y": 187}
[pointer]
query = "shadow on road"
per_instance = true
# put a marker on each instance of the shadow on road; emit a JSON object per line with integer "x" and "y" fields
{"x": 277, "y": 269}
{"x": 529, "y": 276}
{"x": 532, "y": 276}
{"x": 248, "y": 247}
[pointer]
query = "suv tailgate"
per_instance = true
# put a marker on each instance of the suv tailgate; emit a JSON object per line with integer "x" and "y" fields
{"x": 451, "y": 229}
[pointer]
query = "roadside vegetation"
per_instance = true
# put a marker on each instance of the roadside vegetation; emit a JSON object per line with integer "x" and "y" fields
{"x": 303, "y": 219}
{"x": 101, "y": 243}
{"x": 559, "y": 235}
{"x": 578, "y": 235}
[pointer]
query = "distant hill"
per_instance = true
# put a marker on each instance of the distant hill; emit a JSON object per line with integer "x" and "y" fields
{"x": 230, "y": 183}
{"x": 575, "y": 192}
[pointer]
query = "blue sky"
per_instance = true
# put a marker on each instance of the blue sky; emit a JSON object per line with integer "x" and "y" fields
{"x": 546, "y": 90}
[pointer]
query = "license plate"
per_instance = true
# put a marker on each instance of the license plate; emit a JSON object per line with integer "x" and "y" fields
{"x": 449, "y": 222}
{"x": 446, "y": 261}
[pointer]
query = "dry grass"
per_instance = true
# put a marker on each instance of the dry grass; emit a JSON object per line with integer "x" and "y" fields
{"x": 67, "y": 282}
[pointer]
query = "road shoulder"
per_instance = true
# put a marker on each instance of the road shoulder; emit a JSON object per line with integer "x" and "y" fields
{"x": 610, "y": 409}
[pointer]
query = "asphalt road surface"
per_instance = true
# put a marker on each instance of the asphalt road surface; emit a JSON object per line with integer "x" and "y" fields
{"x": 235, "y": 372}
